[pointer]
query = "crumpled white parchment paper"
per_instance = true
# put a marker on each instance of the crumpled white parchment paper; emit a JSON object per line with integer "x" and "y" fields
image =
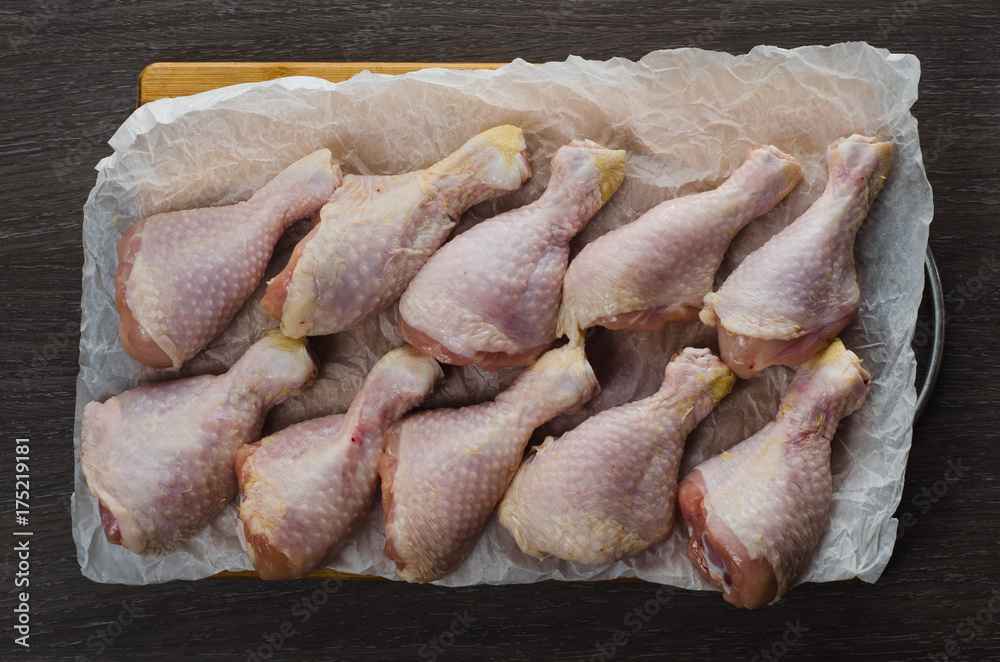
{"x": 686, "y": 118}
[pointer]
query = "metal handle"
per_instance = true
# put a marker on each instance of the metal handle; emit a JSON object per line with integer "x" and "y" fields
{"x": 937, "y": 349}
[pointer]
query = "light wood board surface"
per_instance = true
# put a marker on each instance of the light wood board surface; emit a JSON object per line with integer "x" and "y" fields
{"x": 162, "y": 80}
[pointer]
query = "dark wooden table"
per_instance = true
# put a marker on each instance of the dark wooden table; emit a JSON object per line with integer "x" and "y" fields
{"x": 68, "y": 74}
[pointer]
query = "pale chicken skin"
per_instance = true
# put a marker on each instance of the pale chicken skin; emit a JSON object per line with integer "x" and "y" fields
{"x": 160, "y": 458}
{"x": 491, "y": 296}
{"x": 658, "y": 268}
{"x": 444, "y": 470}
{"x": 607, "y": 489}
{"x": 756, "y": 512}
{"x": 789, "y": 298}
{"x": 182, "y": 276}
{"x": 307, "y": 488}
{"x": 377, "y": 231}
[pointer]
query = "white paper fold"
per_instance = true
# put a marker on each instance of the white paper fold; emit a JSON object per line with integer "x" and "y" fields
{"x": 686, "y": 118}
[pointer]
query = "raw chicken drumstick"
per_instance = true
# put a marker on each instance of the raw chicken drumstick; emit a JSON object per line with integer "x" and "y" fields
{"x": 307, "y": 488}
{"x": 658, "y": 268}
{"x": 789, "y": 298}
{"x": 444, "y": 470}
{"x": 607, "y": 489}
{"x": 159, "y": 458}
{"x": 756, "y": 513}
{"x": 183, "y": 275}
{"x": 491, "y": 296}
{"x": 377, "y": 231}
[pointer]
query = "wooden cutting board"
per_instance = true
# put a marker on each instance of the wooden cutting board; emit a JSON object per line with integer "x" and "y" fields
{"x": 162, "y": 80}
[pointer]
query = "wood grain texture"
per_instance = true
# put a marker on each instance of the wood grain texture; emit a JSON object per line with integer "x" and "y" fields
{"x": 173, "y": 79}
{"x": 69, "y": 79}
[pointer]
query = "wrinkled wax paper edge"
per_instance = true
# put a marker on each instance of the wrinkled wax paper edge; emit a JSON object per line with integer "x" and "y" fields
{"x": 192, "y": 561}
